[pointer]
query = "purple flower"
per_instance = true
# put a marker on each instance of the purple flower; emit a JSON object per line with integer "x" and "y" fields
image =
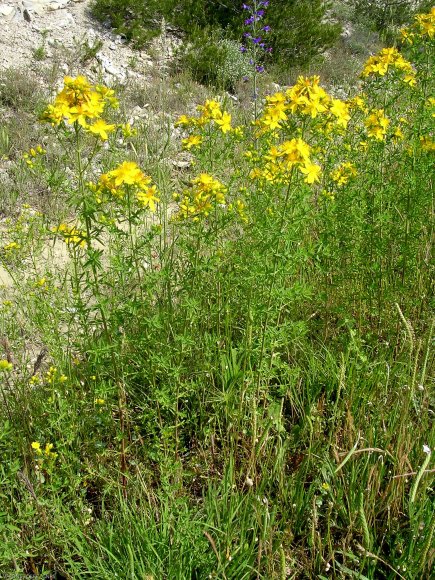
{"x": 259, "y": 68}
{"x": 246, "y": 7}
{"x": 249, "y": 21}
{"x": 243, "y": 49}
{"x": 247, "y": 35}
{"x": 260, "y": 13}
{"x": 266, "y": 28}
{"x": 256, "y": 40}
{"x": 251, "y": 61}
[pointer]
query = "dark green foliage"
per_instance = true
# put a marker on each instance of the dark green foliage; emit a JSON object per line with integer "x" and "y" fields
{"x": 300, "y": 29}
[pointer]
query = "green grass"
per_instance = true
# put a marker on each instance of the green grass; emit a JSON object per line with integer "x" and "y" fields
{"x": 245, "y": 395}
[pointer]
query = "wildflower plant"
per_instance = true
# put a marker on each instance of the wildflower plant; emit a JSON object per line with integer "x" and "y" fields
{"x": 254, "y": 331}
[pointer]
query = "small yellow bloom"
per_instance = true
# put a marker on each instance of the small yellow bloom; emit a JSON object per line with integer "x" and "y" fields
{"x": 36, "y": 446}
{"x": 99, "y": 401}
{"x": 184, "y": 121}
{"x": 147, "y": 197}
{"x": 48, "y": 451}
{"x": 101, "y": 129}
{"x": 311, "y": 171}
{"x": 11, "y": 246}
{"x": 224, "y": 122}
{"x": 192, "y": 141}
{"x": 5, "y": 365}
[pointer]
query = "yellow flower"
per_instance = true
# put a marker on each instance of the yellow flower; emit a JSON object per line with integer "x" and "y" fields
{"x": 427, "y": 144}
{"x": 343, "y": 173}
{"x": 71, "y": 235}
{"x": 210, "y": 110}
{"x": 376, "y": 124}
{"x": 5, "y": 365}
{"x": 36, "y": 446}
{"x": 127, "y": 173}
{"x": 192, "y": 141}
{"x": 426, "y": 23}
{"x": 398, "y": 134}
{"x": 340, "y": 110}
{"x": 147, "y": 197}
{"x": 11, "y": 246}
{"x": 224, "y": 122}
{"x": 311, "y": 171}
{"x": 328, "y": 195}
{"x": 386, "y": 59}
{"x": 99, "y": 401}
{"x": 101, "y": 129}
{"x": 78, "y": 102}
{"x": 184, "y": 121}
{"x": 198, "y": 201}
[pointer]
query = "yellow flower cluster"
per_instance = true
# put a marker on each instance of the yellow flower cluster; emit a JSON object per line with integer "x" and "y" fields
{"x": 30, "y": 156}
{"x": 211, "y": 113}
{"x": 11, "y": 246}
{"x": 377, "y": 124}
{"x": 71, "y": 235}
{"x": 343, "y": 173}
{"x": 127, "y": 174}
{"x": 281, "y": 159}
{"x": 423, "y": 25}
{"x": 306, "y": 97}
{"x": 81, "y": 103}
{"x": 426, "y": 23}
{"x": 36, "y": 446}
{"x": 204, "y": 195}
{"x": 427, "y": 143}
{"x": 52, "y": 376}
{"x": 387, "y": 59}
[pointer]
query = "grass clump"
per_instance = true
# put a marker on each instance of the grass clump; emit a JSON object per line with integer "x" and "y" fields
{"x": 225, "y": 372}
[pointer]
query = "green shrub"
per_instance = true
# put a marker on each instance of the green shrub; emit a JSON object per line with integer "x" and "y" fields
{"x": 300, "y": 29}
{"x": 214, "y": 59}
{"x": 384, "y": 14}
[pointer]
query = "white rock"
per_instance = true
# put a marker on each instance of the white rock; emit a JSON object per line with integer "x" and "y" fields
{"x": 7, "y": 12}
{"x": 67, "y": 21}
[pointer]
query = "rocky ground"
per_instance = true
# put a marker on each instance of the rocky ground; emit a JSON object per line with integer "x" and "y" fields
{"x": 44, "y": 33}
